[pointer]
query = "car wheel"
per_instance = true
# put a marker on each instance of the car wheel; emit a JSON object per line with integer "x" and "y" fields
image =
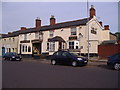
{"x": 53, "y": 62}
{"x": 74, "y": 63}
{"x": 117, "y": 66}
{"x": 4, "y": 58}
{"x": 10, "y": 59}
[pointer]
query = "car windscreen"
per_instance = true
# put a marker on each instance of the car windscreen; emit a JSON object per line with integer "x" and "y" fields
{"x": 74, "y": 54}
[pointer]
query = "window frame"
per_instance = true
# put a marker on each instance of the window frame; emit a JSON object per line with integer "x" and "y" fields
{"x": 29, "y": 49}
{"x": 25, "y": 36}
{"x": 73, "y": 31}
{"x": 70, "y": 44}
{"x": 51, "y": 33}
{"x": 50, "y": 46}
{"x": 36, "y": 35}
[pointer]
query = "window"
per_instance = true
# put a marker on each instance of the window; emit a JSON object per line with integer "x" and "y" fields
{"x": 57, "y": 54}
{"x": 29, "y": 49}
{"x": 25, "y": 48}
{"x": 63, "y": 46}
{"x": 48, "y": 46}
{"x": 9, "y": 50}
{"x": 25, "y": 36}
{"x": 71, "y": 45}
{"x": 41, "y": 36}
{"x": 51, "y": 46}
{"x": 73, "y": 31}
{"x": 37, "y": 35}
{"x": 76, "y": 47}
{"x": 65, "y": 54}
{"x": 13, "y": 49}
{"x": 51, "y": 33}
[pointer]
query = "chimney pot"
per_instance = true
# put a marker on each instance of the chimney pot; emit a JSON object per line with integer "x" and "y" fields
{"x": 106, "y": 27}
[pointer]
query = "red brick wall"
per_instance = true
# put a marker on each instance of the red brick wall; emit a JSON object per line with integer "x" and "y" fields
{"x": 106, "y": 50}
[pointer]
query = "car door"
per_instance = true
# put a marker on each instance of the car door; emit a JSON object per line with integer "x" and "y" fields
{"x": 57, "y": 57}
{"x": 65, "y": 58}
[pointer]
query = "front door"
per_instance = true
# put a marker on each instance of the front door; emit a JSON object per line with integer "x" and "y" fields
{"x": 36, "y": 49}
{"x": 3, "y": 51}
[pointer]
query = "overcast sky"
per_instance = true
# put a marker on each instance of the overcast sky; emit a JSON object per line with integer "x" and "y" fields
{"x": 23, "y": 14}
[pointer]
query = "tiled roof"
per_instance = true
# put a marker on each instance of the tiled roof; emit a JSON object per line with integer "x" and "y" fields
{"x": 4, "y": 35}
{"x": 57, "y": 38}
{"x": 49, "y": 27}
{"x": 65, "y": 24}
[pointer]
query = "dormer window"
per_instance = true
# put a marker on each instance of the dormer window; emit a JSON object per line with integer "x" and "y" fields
{"x": 73, "y": 31}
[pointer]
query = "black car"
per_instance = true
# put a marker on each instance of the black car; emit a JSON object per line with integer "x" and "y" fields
{"x": 12, "y": 56}
{"x": 65, "y": 57}
{"x": 114, "y": 61}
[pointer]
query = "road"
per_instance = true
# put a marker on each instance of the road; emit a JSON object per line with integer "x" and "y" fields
{"x": 37, "y": 74}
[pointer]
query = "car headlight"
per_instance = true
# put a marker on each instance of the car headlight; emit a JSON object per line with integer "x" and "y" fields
{"x": 13, "y": 56}
{"x": 79, "y": 59}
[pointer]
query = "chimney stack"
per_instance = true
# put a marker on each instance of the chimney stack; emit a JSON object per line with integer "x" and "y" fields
{"x": 23, "y": 28}
{"x": 38, "y": 22}
{"x": 106, "y": 27}
{"x": 52, "y": 20}
{"x": 100, "y": 23}
{"x": 92, "y": 11}
{"x": 9, "y": 32}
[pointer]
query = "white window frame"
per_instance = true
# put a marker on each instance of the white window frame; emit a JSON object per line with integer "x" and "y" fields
{"x": 73, "y": 30}
{"x": 71, "y": 44}
{"x": 36, "y": 35}
{"x": 25, "y": 36}
{"x": 51, "y": 33}
{"x": 50, "y": 46}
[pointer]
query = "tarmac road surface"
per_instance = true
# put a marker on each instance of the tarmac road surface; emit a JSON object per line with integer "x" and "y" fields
{"x": 34, "y": 74}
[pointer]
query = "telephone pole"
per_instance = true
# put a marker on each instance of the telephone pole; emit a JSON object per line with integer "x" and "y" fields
{"x": 88, "y": 29}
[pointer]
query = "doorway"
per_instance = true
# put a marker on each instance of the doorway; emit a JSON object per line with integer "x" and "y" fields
{"x": 36, "y": 49}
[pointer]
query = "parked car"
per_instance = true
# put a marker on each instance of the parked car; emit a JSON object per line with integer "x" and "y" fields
{"x": 114, "y": 61}
{"x": 12, "y": 56}
{"x": 65, "y": 57}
